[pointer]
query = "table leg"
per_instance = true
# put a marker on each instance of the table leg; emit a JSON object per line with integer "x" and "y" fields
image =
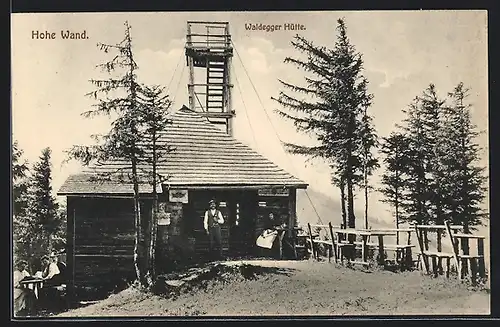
{"x": 35, "y": 290}
{"x": 364, "y": 248}
{"x": 282, "y": 234}
{"x": 408, "y": 258}
{"x": 381, "y": 259}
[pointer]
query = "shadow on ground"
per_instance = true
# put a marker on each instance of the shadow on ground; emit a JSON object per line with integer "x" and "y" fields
{"x": 200, "y": 277}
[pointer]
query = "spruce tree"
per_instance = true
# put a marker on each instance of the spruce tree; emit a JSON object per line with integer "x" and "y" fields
{"x": 467, "y": 181}
{"x": 43, "y": 204}
{"x": 141, "y": 119}
{"x": 417, "y": 184}
{"x": 117, "y": 95}
{"x": 335, "y": 114}
{"x": 431, "y": 107}
{"x": 153, "y": 121}
{"x": 394, "y": 148}
{"x": 20, "y": 172}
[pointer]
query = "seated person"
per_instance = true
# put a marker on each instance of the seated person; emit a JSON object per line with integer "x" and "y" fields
{"x": 23, "y": 297}
{"x": 59, "y": 278}
{"x": 267, "y": 239}
{"x": 49, "y": 269}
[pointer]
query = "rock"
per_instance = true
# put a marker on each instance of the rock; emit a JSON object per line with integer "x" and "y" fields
{"x": 189, "y": 278}
{"x": 174, "y": 282}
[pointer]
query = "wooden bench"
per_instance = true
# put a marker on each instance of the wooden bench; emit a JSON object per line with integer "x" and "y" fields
{"x": 435, "y": 256}
{"x": 472, "y": 264}
{"x": 342, "y": 252}
{"x": 404, "y": 255}
{"x": 331, "y": 246}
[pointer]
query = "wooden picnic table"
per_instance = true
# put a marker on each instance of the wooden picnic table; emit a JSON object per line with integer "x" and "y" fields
{"x": 466, "y": 260}
{"x": 33, "y": 284}
{"x": 365, "y": 233}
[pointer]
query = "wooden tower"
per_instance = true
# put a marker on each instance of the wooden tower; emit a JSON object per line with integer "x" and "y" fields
{"x": 209, "y": 50}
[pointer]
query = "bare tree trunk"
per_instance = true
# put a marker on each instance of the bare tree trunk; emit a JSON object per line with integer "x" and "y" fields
{"x": 396, "y": 206}
{"x": 138, "y": 229}
{"x": 342, "y": 202}
{"x": 351, "y": 218}
{"x": 154, "y": 222}
{"x": 366, "y": 203}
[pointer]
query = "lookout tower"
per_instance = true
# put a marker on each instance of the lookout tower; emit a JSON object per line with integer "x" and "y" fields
{"x": 208, "y": 54}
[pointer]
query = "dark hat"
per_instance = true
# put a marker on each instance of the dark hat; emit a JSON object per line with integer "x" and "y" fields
{"x": 211, "y": 201}
{"x": 45, "y": 257}
{"x": 22, "y": 262}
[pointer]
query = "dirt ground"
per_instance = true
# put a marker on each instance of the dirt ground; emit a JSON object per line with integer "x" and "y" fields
{"x": 302, "y": 288}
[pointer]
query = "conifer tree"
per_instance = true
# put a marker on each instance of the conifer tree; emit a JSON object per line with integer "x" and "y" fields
{"x": 21, "y": 223}
{"x": 394, "y": 148}
{"x": 141, "y": 117}
{"x": 467, "y": 181}
{"x": 431, "y": 107}
{"x": 20, "y": 171}
{"x": 117, "y": 96}
{"x": 43, "y": 204}
{"x": 334, "y": 116}
{"x": 153, "y": 121}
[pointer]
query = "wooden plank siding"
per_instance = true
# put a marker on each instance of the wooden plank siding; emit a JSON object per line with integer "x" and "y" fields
{"x": 103, "y": 241}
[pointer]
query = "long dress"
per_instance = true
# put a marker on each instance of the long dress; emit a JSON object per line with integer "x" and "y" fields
{"x": 20, "y": 294}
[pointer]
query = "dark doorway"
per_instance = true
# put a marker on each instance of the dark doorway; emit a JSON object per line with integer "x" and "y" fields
{"x": 242, "y": 223}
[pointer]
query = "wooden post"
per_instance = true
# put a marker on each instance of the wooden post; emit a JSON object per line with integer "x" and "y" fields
{"x": 280, "y": 241}
{"x": 381, "y": 259}
{"x": 480, "y": 252}
{"x": 409, "y": 238}
{"x": 70, "y": 246}
{"x": 407, "y": 258}
{"x": 228, "y": 86}
{"x": 439, "y": 249}
{"x": 421, "y": 248}
{"x": 435, "y": 269}
{"x": 473, "y": 270}
{"x": 329, "y": 254}
{"x": 292, "y": 216}
{"x": 465, "y": 251}
{"x": 448, "y": 259}
{"x": 453, "y": 245}
{"x": 313, "y": 253}
{"x": 364, "y": 249}
{"x": 191, "y": 71}
{"x": 334, "y": 246}
{"x": 426, "y": 244}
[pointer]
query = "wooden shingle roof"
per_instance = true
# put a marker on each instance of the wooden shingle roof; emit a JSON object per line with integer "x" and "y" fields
{"x": 203, "y": 156}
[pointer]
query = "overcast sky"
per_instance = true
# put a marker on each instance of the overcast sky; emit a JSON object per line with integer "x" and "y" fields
{"x": 403, "y": 52}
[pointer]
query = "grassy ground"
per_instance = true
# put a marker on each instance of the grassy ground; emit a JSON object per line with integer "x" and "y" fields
{"x": 302, "y": 288}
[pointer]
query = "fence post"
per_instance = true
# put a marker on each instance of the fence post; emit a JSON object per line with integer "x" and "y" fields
{"x": 334, "y": 245}
{"x": 311, "y": 241}
{"x": 453, "y": 246}
{"x": 421, "y": 248}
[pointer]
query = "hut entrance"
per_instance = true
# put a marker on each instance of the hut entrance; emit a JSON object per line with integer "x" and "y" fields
{"x": 239, "y": 209}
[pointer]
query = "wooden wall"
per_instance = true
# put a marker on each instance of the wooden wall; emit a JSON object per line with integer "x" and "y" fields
{"x": 100, "y": 241}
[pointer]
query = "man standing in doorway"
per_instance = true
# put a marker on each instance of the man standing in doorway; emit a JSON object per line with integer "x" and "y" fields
{"x": 213, "y": 220}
